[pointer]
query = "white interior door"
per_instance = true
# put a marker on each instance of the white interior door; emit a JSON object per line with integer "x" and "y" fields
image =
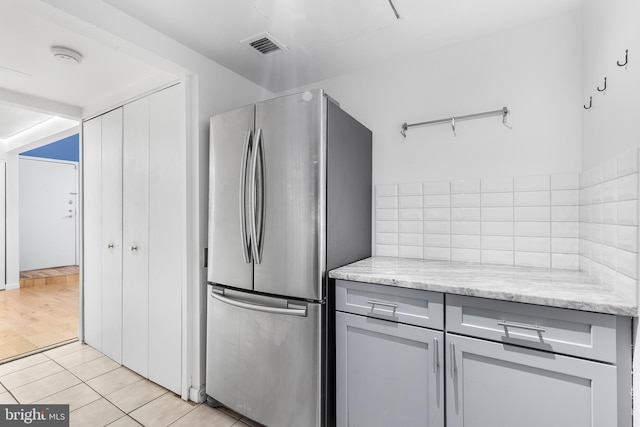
{"x": 48, "y": 193}
{"x": 3, "y": 234}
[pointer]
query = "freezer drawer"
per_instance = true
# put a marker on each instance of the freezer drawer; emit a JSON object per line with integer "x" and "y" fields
{"x": 263, "y": 357}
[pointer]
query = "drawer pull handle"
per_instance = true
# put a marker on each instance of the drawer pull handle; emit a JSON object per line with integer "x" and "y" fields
{"x": 384, "y": 304}
{"x": 452, "y": 359}
{"x": 506, "y": 324}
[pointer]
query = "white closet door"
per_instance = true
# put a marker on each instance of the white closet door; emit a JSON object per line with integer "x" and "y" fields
{"x": 167, "y": 225}
{"x": 135, "y": 259}
{"x": 92, "y": 227}
{"x": 112, "y": 234}
{"x": 3, "y": 236}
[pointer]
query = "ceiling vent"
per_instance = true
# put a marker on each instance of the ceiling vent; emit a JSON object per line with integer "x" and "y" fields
{"x": 264, "y": 44}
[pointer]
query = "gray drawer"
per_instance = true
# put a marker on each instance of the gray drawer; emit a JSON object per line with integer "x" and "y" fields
{"x": 578, "y": 333}
{"x": 402, "y": 305}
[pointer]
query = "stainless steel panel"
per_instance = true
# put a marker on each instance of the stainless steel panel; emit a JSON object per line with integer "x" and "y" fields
{"x": 293, "y": 137}
{"x": 264, "y": 365}
{"x": 227, "y": 196}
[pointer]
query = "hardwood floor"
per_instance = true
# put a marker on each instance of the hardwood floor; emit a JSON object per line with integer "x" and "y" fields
{"x": 42, "y": 313}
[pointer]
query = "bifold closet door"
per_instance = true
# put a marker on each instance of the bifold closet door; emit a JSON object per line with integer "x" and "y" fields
{"x": 135, "y": 258}
{"x": 102, "y": 148}
{"x": 167, "y": 235}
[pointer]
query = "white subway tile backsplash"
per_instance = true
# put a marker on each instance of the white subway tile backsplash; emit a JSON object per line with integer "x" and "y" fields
{"x": 437, "y": 227}
{"x": 565, "y": 198}
{"x": 387, "y": 226}
{"x": 532, "y": 198}
{"x": 465, "y": 186}
{"x": 627, "y": 286}
{"x": 387, "y": 250}
{"x": 413, "y": 189}
{"x": 502, "y": 243}
{"x": 410, "y": 202}
{"x": 565, "y": 229}
{"x": 627, "y": 187}
{"x": 465, "y": 241}
{"x": 565, "y": 213}
{"x": 437, "y": 214}
{"x": 610, "y": 169}
{"x": 595, "y": 193}
{"x": 628, "y": 263}
{"x": 565, "y": 261}
{"x": 465, "y": 214}
{"x": 628, "y": 162}
{"x": 496, "y": 228}
{"x": 410, "y": 252}
{"x": 565, "y": 181}
{"x": 387, "y": 238}
{"x": 386, "y": 202}
{"x": 437, "y": 201}
{"x": 565, "y": 245}
{"x": 465, "y": 255}
{"x": 532, "y": 244}
{"x": 496, "y": 185}
{"x": 610, "y": 191}
{"x": 533, "y": 259}
{"x": 496, "y": 199}
{"x": 438, "y": 187}
{"x": 410, "y": 214}
{"x": 410, "y": 239}
{"x": 465, "y": 227}
{"x": 497, "y": 214}
{"x": 609, "y": 213}
{"x": 497, "y": 257}
{"x": 596, "y": 213}
{"x": 465, "y": 200}
{"x": 411, "y": 226}
{"x": 532, "y": 183}
{"x": 533, "y": 229}
{"x": 627, "y": 237}
{"x": 386, "y": 190}
{"x": 437, "y": 240}
{"x": 610, "y": 235}
{"x": 443, "y": 254}
{"x": 608, "y": 257}
{"x": 532, "y": 213}
{"x": 628, "y": 212}
{"x": 387, "y": 214}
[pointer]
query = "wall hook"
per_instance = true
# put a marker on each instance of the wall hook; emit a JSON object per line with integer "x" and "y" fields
{"x": 403, "y": 132}
{"x": 590, "y": 103}
{"x": 505, "y": 111}
{"x": 453, "y": 125}
{"x": 626, "y": 59}
{"x": 605, "y": 86}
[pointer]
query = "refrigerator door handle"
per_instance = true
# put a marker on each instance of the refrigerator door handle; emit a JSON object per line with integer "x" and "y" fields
{"x": 246, "y": 241}
{"x": 291, "y": 310}
{"x": 257, "y": 205}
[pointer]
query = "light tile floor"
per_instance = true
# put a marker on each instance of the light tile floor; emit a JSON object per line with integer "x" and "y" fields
{"x": 100, "y": 392}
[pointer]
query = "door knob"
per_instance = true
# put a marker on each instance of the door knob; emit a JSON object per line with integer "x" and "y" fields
{"x": 110, "y": 246}
{"x": 134, "y": 248}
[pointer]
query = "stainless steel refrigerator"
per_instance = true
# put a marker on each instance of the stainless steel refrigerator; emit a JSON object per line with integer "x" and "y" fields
{"x": 289, "y": 200}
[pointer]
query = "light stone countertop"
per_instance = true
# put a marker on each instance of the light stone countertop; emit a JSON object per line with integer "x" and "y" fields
{"x": 542, "y": 286}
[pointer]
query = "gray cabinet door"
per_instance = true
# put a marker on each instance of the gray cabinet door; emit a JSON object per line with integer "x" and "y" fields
{"x": 388, "y": 374}
{"x": 499, "y": 385}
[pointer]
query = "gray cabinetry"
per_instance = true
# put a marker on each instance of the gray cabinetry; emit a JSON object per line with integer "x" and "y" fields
{"x": 505, "y": 363}
{"x": 388, "y": 373}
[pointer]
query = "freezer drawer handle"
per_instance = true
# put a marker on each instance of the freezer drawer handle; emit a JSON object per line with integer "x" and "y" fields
{"x": 507, "y": 324}
{"x": 293, "y": 310}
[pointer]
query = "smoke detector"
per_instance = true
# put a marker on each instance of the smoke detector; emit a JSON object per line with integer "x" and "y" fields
{"x": 264, "y": 44}
{"x": 66, "y": 55}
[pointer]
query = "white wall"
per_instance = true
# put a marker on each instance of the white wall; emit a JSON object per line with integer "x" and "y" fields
{"x": 534, "y": 70}
{"x": 612, "y": 125}
{"x": 2, "y": 226}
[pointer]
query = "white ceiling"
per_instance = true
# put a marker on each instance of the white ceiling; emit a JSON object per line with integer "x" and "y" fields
{"x": 325, "y": 38}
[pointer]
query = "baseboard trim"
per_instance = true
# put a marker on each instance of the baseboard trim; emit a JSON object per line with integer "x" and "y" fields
{"x": 11, "y": 286}
{"x": 197, "y": 395}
